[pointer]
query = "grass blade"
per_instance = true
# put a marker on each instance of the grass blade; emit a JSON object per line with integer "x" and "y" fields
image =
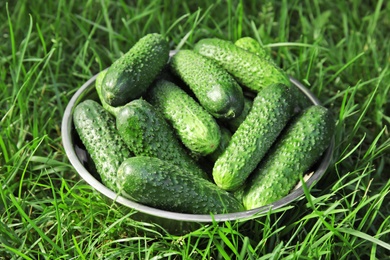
{"x": 36, "y": 228}
{"x": 365, "y": 236}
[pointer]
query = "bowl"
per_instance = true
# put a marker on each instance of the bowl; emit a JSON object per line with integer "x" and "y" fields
{"x": 79, "y": 159}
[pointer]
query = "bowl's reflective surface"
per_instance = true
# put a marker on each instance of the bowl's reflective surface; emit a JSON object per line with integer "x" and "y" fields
{"x": 78, "y": 157}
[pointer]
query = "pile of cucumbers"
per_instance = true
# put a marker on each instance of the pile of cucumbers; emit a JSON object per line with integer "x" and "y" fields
{"x": 214, "y": 129}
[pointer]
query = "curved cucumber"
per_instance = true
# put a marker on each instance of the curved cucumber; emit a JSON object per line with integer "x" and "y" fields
{"x": 163, "y": 185}
{"x": 247, "y": 68}
{"x": 96, "y": 129}
{"x": 98, "y": 85}
{"x": 301, "y": 144}
{"x": 130, "y": 75}
{"x": 196, "y": 128}
{"x": 147, "y": 133}
{"x": 271, "y": 109}
{"x": 215, "y": 89}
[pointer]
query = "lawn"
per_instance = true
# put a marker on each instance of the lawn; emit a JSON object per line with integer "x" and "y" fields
{"x": 340, "y": 50}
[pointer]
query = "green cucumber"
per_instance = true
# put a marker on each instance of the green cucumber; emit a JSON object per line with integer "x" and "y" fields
{"x": 301, "y": 145}
{"x": 195, "y": 127}
{"x": 234, "y": 123}
{"x": 247, "y": 68}
{"x": 147, "y": 133}
{"x": 161, "y": 184}
{"x": 226, "y": 136}
{"x": 251, "y": 45}
{"x": 271, "y": 109}
{"x": 214, "y": 88}
{"x": 98, "y": 85}
{"x": 97, "y": 131}
{"x": 129, "y": 77}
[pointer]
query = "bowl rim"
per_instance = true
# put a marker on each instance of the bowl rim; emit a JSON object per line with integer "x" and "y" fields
{"x": 66, "y": 132}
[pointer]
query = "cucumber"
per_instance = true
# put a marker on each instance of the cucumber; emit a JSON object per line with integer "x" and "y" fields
{"x": 129, "y": 76}
{"x": 98, "y": 85}
{"x": 195, "y": 127}
{"x": 248, "y": 69}
{"x": 226, "y": 136}
{"x": 214, "y": 88}
{"x": 271, "y": 109}
{"x": 301, "y": 145}
{"x": 234, "y": 123}
{"x": 251, "y": 45}
{"x": 97, "y": 131}
{"x": 161, "y": 184}
{"x": 147, "y": 133}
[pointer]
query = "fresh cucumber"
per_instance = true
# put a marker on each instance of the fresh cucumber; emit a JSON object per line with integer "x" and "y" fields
{"x": 247, "y": 68}
{"x": 214, "y": 88}
{"x": 271, "y": 109}
{"x": 195, "y": 127}
{"x": 161, "y": 184}
{"x": 234, "y": 123}
{"x": 249, "y": 44}
{"x": 130, "y": 75}
{"x": 301, "y": 144}
{"x": 253, "y": 46}
{"x": 97, "y": 131}
{"x": 226, "y": 136}
{"x": 98, "y": 85}
{"x": 147, "y": 133}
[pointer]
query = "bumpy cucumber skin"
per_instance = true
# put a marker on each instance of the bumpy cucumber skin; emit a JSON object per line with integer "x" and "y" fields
{"x": 130, "y": 76}
{"x": 195, "y": 127}
{"x": 234, "y": 123}
{"x": 215, "y": 89}
{"x": 98, "y": 85}
{"x": 247, "y": 68}
{"x": 97, "y": 131}
{"x": 161, "y": 184}
{"x": 272, "y": 108}
{"x": 300, "y": 145}
{"x": 226, "y": 136}
{"x": 251, "y": 45}
{"x": 147, "y": 133}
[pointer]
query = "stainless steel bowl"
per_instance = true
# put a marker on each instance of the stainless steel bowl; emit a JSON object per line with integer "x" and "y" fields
{"x": 79, "y": 159}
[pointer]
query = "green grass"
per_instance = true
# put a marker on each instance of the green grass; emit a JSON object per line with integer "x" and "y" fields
{"x": 338, "y": 49}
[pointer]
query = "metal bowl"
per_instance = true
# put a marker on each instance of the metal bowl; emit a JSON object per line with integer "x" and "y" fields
{"x": 78, "y": 157}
